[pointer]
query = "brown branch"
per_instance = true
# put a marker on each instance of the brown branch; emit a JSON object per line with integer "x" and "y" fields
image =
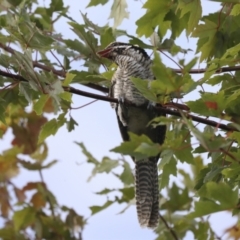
{"x": 167, "y": 108}
{"x": 59, "y": 73}
{"x": 173, "y": 233}
{"x": 203, "y": 70}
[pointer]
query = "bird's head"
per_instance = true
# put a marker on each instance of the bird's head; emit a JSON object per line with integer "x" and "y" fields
{"x": 118, "y": 49}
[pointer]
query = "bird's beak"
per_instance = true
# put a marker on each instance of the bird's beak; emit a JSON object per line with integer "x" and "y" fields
{"x": 104, "y": 53}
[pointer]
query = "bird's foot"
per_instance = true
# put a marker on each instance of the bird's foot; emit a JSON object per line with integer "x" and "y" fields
{"x": 121, "y": 99}
{"x": 151, "y": 105}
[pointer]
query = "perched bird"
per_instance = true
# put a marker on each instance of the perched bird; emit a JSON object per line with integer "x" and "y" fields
{"x": 133, "y": 61}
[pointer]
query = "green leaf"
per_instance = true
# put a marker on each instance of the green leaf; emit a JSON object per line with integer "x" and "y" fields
{"x": 96, "y": 2}
{"x": 26, "y": 91}
{"x": 106, "y": 37}
{"x": 169, "y": 168}
{"x": 203, "y": 208}
{"x": 49, "y": 128}
{"x": 2, "y": 114}
{"x": 68, "y": 79}
{"x": 143, "y": 88}
{"x": 118, "y": 12}
{"x": 235, "y": 10}
{"x": 126, "y": 176}
{"x": 24, "y": 218}
{"x": 90, "y": 157}
{"x": 156, "y": 12}
{"x": 127, "y": 194}
{"x": 167, "y": 80}
{"x": 67, "y": 96}
{"x": 207, "y": 38}
{"x": 194, "y": 8}
{"x": 220, "y": 196}
{"x": 105, "y": 191}
{"x": 210, "y": 104}
{"x": 86, "y": 36}
{"x": 179, "y": 199}
{"x": 106, "y": 165}
{"x": 96, "y": 209}
{"x": 56, "y": 5}
{"x": 139, "y": 147}
{"x": 40, "y": 103}
{"x": 76, "y": 45}
{"x": 71, "y": 124}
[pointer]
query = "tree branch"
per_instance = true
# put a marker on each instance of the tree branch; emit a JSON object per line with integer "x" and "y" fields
{"x": 173, "y": 233}
{"x": 166, "y": 108}
{"x": 58, "y": 73}
{"x": 62, "y": 74}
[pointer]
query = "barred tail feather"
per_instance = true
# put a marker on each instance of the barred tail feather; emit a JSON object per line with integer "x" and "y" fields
{"x": 147, "y": 192}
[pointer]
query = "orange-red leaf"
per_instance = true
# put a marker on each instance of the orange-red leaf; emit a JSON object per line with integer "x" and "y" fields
{"x": 211, "y": 105}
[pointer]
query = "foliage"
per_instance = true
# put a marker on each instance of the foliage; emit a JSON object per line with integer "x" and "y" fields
{"x": 29, "y": 76}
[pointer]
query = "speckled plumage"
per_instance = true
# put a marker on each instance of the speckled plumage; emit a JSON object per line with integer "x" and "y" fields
{"x": 133, "y": 61}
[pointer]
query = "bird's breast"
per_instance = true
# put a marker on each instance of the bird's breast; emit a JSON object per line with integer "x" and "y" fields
{"x": 124, "y": 88}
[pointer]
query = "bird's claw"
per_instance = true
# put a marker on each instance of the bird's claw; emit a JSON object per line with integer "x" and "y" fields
{"x": 151, "y": 105}
{"x": 121, "y": 100}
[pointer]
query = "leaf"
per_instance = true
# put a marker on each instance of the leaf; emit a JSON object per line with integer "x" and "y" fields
{"x": 155, "y": 40}
{"x": 127, "y": 194}
{"x": 38, "y": 200}
{"x": 118, "y": 12}
{"x": 156, "y": 12}
{"x": 126, "y": 176}
{"x": 139, "y": 147}
{"x": 41, "y": 153}
{"x": 50, "y": 128}
{"x": 105, "y": 191}
{"x": 71, "y": 124}
{"x": 194, "y": 9}
{"x": 169, "y": 168}
{"x": 40, "y": 103}
{"x": 24, "y": 218}
{"x": 5, "y": 202}
{"x": 96, "y": 209}
{"x": 107, "y": 37}
{"x": 32, "y": 185}
{"x": 90, "y": 158}
{"x": 179, "y": 199}
{"x": 26, "y": 91}
{"x": 220, "y": 196}
{"x": 210, "y": 104}
{"x": 96, "y": 2}
{"x": 68, "y": 79}
{"x": 207, "y": 34}
{"x": 76, "y": 45}
{"x": 235, "y": 10}
{"x": 87, "y": 37}
{"x": 26, "y": 135}
{"x": 143, "y": 88}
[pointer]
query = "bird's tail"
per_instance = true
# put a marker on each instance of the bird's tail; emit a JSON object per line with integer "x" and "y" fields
{"x": 147, "y": 193}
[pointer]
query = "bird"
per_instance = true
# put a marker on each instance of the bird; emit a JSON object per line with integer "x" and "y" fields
{"x": 133, "y": 61}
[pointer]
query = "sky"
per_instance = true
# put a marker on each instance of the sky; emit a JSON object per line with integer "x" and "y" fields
{"x": 99, "y": 132}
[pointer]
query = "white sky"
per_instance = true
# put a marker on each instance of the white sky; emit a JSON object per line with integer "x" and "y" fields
{"x": 99, "y": 131}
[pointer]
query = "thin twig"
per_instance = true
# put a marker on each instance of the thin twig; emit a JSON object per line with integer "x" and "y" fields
{"x": 173, "y": 233}
{"x": 85, "y": 104}
{"x": 229, "y": 154}
{"x": 47, "y": 197}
